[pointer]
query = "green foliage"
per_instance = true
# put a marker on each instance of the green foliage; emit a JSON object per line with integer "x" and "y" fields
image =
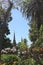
{"x": 32, "y": 8}
{"x": 6, "y": 43}
{"x": 39, "y": 41}
{"x": 5, "y": 17}
{"x": 29, "y": 61}
{"x": 33, "y": 31}
{"x": 9, "y": 59}
{"x": 23, "y": 45}
{"x": 36, "y": 36}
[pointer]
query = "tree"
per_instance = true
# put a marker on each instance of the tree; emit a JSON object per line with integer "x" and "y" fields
{"x": 33, "y": 32}
{"x": 36, "y": 35}
{"x": 39, "y": 41}
{"x": 5, "y": 17}
{"x": 23, "y": 47}
{"x": 6, "y": 43}
{"x": 33, "y": 8}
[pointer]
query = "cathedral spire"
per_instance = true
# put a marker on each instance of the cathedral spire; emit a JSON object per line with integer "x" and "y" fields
{"x": 14, "y": 40}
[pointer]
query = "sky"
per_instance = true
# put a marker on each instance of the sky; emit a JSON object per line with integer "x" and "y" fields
{"x": 19, "y": 26}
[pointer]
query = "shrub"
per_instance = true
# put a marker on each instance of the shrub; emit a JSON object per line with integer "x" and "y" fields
{"x": 29, "y": 61}
{"x": 10, "y": 59}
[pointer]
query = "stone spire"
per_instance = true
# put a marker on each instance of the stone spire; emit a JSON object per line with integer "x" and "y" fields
{"x": 14, "y": 40}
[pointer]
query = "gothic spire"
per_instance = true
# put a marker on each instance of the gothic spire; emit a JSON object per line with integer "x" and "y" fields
{"x": 14, "y": 40}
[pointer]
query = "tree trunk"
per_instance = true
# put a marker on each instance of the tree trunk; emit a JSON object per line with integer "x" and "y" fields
{"x": 0, "y": 49}
{"x": 1, "y": 39}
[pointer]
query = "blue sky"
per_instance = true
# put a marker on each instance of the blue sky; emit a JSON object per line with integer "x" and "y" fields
{"x": 19, "y": 26}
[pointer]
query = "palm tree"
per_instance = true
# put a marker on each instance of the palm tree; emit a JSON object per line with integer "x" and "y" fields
{"x": 33, "y": 8}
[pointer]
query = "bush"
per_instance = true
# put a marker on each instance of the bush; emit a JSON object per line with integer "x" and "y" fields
{"x": 29, "y": 61}
{"x": 10, "y": 59}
